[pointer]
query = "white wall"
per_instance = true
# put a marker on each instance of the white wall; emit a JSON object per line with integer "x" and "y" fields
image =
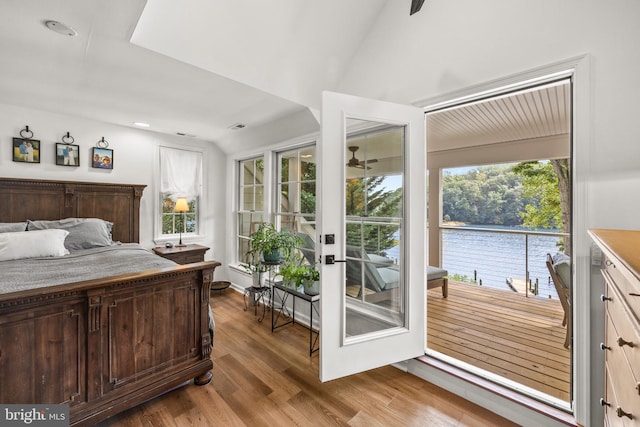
{"x": 449, "y": 45}
{"x": 136, "y": 161}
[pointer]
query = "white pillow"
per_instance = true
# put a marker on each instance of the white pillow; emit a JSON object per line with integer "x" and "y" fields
{"x": 32, "y": 244}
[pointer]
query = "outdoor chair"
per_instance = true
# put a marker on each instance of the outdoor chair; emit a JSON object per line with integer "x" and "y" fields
{"x": 560, "y": 270}
{"x": 381, "y": 274}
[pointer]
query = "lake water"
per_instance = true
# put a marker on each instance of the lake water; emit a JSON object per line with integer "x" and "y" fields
{"x": 494, "y": 258}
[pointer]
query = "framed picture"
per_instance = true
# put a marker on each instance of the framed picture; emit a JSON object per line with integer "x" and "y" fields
{"x": 67, "y": 154}
{"x": 102, "y": 158}
{"x": 26, "y": 150}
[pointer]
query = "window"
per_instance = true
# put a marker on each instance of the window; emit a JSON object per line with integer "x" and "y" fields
{"x": 296, "y": 204}
{"x": 250, "y": 202}
{"x": 181, "y": 176}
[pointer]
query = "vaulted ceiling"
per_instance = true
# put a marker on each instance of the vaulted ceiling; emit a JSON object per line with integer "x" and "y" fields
{"x": 193, "y": 66}
{"x": 198, "y": 67}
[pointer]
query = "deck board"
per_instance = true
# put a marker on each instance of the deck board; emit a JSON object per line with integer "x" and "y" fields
{"x": 504, "y": 333}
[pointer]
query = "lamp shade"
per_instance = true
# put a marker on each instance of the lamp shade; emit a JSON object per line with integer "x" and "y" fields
{"x": 181, "y": 205}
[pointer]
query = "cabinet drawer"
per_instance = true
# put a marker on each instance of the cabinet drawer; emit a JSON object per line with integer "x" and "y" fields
{"x": 621, "y": 382}
{"x": 629, "y": 287}
{"x": 623, "y": 329}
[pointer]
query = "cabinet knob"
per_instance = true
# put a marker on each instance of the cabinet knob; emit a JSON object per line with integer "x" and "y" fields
{"x": 609, "y": 264}
{"x": 604, "y": 298}
{"x": 604, "y": 402}
{"x": 621, "y": 413}
{"x": 638, "y": 388}
{"x": 604, "y": 347}
{"x": 622, "y": 342}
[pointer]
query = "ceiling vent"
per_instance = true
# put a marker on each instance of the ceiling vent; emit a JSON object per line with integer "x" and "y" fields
{"x": 237, "y": 126}
{"x": 61, "y": 28}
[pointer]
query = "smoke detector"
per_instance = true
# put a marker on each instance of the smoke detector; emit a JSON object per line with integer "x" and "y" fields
{"x": 61, "y": 28}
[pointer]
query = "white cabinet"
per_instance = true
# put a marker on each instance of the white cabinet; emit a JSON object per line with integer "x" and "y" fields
{"x": 620, "y": 268}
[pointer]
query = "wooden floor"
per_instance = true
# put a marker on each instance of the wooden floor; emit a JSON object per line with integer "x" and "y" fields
{"x": 262, "y": 378}
{"x": 502, "y": 332}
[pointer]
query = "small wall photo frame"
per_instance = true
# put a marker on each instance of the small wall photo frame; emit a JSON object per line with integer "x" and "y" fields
{"x": 26, "y": 150}
{"x": 67, "y": 154}
{"x": 102, "y": 158}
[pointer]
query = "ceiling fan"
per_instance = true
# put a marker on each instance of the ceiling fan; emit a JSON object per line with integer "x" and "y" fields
{"x": 416, "y": 5}
{"x": 355, "y": 163}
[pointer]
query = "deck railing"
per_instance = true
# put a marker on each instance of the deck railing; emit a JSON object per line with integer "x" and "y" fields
{"x": 500, "y": 258}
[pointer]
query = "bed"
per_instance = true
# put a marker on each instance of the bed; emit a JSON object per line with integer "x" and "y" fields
{"x": 71, "y": 331}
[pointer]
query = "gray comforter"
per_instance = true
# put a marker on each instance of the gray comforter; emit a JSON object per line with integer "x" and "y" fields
{"x": 86, "y": 264}
{"x": 80, "y": 265}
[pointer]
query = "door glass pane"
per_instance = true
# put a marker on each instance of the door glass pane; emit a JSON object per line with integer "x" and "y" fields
{"x": 374, "y": 277}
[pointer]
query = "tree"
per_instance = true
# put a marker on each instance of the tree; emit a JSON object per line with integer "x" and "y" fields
{"x": 548, "y": 184}
{"x": 368, "y": 197}
{"x": 485, "y": 195}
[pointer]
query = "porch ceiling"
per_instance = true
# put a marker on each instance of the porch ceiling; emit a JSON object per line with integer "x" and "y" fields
{"x": 534, "y": 113}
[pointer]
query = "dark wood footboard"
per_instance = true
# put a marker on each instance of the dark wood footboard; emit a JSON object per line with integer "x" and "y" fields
{"x": 106, "y": 346}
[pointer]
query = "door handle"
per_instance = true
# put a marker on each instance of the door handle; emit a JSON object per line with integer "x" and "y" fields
{"x": 331, "y": 259}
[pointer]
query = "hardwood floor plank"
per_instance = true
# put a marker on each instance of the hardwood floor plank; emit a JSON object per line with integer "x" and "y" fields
{"x": 262, "y": 378}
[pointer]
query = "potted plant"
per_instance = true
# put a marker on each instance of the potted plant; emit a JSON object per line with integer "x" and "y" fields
{"x": 293, "y": 274}
{"x": 271, "y": 244}
{"x": 256, "y": 271}
{"x": 311, "y": 278}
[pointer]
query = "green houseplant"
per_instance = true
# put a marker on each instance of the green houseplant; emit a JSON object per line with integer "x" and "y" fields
{"x": 293, "y": 274}
{"x": 271, "y": 244}
{"x": 257, "y": 270}
{"x": 311, "y": 278}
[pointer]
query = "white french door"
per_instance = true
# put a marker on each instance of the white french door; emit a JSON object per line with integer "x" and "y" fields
{"x": 373, "y": 234}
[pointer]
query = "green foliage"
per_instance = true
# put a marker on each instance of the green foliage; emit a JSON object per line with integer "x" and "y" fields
{"x": 540, "y": 186}
{"x": 173, "y": 222}
{"x": 461, "y": 278}
{"x": 311, "y": 273}
{"x": 485, "y": 195}
{"x": 293, "y": 274}
{"x": 368, "y": 197}
{"x": 266, "y": 239}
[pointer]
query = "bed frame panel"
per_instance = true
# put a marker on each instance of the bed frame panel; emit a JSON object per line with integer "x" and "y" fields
{"x": 101, "y": 346}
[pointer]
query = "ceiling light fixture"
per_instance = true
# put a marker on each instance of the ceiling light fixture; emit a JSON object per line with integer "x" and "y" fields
{"x": 61, "y": 28}
{"x": 142, "y": 124}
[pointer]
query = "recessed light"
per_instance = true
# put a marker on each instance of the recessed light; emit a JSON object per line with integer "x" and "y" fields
{"x": 60, "y": 28}
{"x": 142, "y": 124}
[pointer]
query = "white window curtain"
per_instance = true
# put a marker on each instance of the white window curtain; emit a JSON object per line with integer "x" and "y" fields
{"x": 181, "y": 172}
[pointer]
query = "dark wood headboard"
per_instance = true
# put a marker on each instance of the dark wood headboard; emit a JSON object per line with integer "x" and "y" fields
{"x": 22, "y": 199}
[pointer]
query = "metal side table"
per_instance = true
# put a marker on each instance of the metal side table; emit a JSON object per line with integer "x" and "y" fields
{"x": 283, "y": 293}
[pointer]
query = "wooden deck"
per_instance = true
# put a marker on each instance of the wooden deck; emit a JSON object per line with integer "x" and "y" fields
{"x": 502, "y": 332}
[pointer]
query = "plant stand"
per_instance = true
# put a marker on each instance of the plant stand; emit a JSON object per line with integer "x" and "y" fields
{"x": 254, "y": 295}
{"x": 283, "y": 293}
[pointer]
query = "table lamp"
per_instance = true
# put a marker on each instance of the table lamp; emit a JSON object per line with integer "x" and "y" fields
{"x": 181, "y": 207}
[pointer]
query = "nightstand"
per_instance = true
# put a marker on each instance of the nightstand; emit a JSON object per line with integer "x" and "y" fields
{"x": 182, "y": 254}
